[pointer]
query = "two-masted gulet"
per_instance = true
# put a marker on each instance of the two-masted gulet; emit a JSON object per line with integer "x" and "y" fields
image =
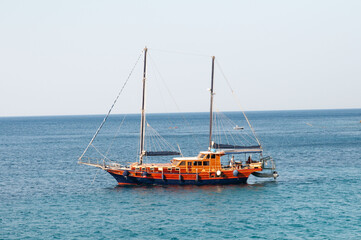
{"x": 204, "y": 169}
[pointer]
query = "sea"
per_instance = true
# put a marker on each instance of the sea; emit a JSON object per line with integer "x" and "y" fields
{"x": 46, "y": 194}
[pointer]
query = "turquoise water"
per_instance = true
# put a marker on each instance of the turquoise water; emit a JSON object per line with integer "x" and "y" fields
{"x": 45, "y": 194}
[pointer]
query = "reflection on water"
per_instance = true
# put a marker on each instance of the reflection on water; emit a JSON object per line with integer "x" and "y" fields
{"x": 255, "y": 185}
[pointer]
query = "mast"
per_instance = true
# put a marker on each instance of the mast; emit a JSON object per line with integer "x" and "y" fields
{"x": 142, "y": 121}
{"x": 211, "y": 107}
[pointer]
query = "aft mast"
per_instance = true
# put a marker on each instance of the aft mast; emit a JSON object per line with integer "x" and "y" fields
{"x": 142, "y": 121}
{"x": 211, "y": 106}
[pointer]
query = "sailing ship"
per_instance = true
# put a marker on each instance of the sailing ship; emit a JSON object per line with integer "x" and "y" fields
{"x": 204, "y": 169}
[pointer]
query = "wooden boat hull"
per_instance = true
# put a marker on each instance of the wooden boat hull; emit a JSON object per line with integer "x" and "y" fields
{"x": 181, "y": 179}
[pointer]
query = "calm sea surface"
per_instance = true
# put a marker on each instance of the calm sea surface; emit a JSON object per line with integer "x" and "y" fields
{"x": 45, "y": 194}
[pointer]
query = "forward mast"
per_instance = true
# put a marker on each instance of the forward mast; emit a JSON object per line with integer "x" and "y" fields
{"x": 142, "y": 121}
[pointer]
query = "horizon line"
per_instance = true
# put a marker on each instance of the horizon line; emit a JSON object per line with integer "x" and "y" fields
{"x": 151, "y": 113}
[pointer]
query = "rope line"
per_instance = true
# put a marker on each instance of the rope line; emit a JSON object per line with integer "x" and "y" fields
{"x": 174, "y": 101}
{"x": 111, "y": 108}
{"x": 116, "y": 134}
{"x": 237, "y": 101}
{"x": 101, "y": 154}
{"x": 242, "y": 132}
{"x": 95, "y": 177}
{"x": 156, "y": 141}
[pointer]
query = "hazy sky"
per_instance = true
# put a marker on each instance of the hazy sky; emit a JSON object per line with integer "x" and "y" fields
{"x": 72, "y": 57}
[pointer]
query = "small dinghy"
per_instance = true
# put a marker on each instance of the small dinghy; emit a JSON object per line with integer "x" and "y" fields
{"x": 273, "y": 174}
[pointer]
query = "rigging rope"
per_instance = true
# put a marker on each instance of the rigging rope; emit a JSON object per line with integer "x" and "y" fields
{"x": 95, "y": 177}
{"x": 174, "y": 101}
{"x": 101, "y": 154}
{"x": 231, "y": 123}
{"x": 237, "y": 101}
{"x": 221, "y": 126}
{"x": 156, "y": 140}
{"x": 116, "y": 134}
{"x": 111, "y": 108}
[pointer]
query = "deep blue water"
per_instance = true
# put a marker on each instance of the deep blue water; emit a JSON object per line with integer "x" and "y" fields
{"x": 45, "y": 194}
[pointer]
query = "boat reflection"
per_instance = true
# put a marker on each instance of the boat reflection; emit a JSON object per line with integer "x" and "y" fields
{"x": 193, "y": 188}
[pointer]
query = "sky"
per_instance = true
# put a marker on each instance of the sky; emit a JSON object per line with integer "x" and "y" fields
{"x": 72, "y": 57}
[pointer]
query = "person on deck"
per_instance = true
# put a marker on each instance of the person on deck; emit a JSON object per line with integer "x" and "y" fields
{"x": 231, "y": 163}
{"x": 249, "y": 160}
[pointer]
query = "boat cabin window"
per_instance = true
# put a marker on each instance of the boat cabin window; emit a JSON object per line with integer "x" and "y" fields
{"x": 169, "y": 169}
{"x": 182, "y": 163}
{"x": 212, "y": 156}
{"x": 206, "y": 163}
{"x": 202, "y": 155}
{"x": 197, "y": 163}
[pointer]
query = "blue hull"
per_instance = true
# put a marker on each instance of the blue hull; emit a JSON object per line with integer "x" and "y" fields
{"x": 151, "y": 181}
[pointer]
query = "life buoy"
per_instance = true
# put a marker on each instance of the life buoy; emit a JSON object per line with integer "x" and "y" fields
{"x": 218, "y": 173}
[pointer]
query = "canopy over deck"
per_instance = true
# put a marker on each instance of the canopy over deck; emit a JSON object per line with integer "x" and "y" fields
{"x": 245, "y": 150}
{"x": 161, "y": 153}
{"x": 228, "y": 146}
